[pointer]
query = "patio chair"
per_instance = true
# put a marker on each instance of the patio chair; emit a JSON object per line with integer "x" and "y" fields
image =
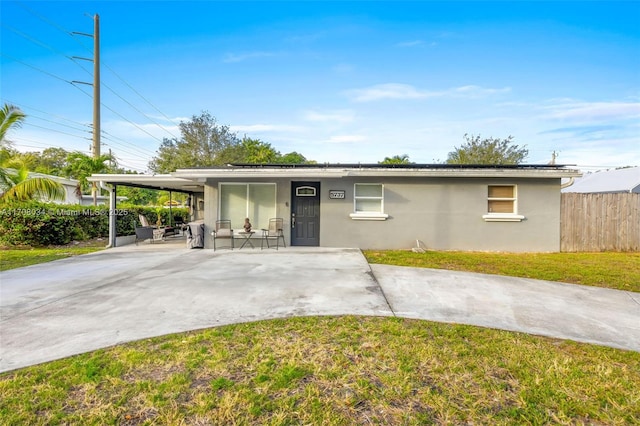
{"x": 144, "y": 221}
{"x": 223, "y": 230}
{"x": 144, "y": 233}
{"x": 274, "y": 232}
{"x": 167, "y": 230}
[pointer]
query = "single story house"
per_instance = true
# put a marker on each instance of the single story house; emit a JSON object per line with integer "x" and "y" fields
{"x": 512, "y": 208}
{"x": 616, "y": 181}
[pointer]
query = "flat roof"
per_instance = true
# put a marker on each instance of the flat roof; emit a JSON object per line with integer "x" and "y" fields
{"x": 380, "y": 166}
{"x": 193, "y": 179}
{"x": 337, "y": 170}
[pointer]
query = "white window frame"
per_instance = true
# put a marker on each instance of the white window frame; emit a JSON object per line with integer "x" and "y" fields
{"x": 247, "y": 186}
{"x": 368, "y": 215}
{"x": 503, "y": 217}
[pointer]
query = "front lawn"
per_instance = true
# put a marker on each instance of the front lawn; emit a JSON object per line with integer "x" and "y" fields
{"x": 332, "y": 371}
{"x": 19, "y": 257}
{"x": 619, "y": 271}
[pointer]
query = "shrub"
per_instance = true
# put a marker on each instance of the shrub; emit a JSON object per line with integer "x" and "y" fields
{"x": 37, "y": 224}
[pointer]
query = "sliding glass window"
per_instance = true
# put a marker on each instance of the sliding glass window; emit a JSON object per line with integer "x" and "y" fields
{"x": 257, "y": 201}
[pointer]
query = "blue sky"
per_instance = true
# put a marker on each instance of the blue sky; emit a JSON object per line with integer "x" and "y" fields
{"x": 335, "y": 81}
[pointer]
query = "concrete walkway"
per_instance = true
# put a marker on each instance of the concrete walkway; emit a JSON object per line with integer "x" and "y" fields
{"x": 57, "y": 309}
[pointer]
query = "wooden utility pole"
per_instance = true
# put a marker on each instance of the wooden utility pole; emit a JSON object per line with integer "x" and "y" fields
{"x": 96, "y": 86}
{"x": 95, "y": 148}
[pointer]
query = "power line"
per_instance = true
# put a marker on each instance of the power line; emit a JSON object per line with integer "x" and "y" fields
{"x": 36, "y": 68}
{"x": 135, "y": 108}
{"x": 33, "y": 39}
{"x": 142, "y": 152}
{"x": 43, "y": 144}
{"x": 60, "y": 124}
{"x": 23, "y": 106}
{"x": 131, "y": 146}
{"x": 142, "y": 97}
{"x": 130, "y": 122}
{"x": 65, "y": 31}
{"x": 53, "y": 24}
{"x": 111, "y": 137}
{"x": 56, "y": 131}
{"x": 76, "y": 83}
{"x": 131, "y": 154}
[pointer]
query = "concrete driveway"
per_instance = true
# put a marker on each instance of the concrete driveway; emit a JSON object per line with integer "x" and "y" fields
{"x": 53, "y": 310}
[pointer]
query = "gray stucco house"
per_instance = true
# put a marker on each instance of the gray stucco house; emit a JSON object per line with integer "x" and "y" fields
{"x": 373, "y": 206}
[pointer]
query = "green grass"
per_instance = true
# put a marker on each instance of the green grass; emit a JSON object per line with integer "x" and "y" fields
{"x": 17, "y": 258}
{"x": 346, "y": 370}
{"x": 619, "y": 271}
{"x": 332, "y": 371}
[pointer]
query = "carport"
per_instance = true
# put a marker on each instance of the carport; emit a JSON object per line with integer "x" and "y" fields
{"x": 163, "y": 182}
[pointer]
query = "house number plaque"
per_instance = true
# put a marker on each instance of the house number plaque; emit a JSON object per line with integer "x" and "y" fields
{"x": 336, "y": 195}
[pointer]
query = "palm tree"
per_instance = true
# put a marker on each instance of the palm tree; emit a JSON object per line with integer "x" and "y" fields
{"x": 81, "y": 166}
{"x": 10, "y": 117}
{"x": 396, "y": 159}
{"x": 16, "y": 184}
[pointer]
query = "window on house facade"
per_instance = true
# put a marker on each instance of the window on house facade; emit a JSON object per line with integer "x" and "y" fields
{"x": 305, "y": 191}
{"x": 257, "y": 201}
{"x": 368, "y": 201}
{"x": 502, "y": 203}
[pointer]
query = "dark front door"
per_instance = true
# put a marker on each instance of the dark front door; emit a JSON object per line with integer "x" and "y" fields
{"x": 305, "y": 213}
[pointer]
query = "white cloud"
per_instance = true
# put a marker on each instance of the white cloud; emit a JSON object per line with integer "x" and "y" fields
{"x": 594, "y": 110}
{"x": 346, "y": 138}
{"x": 411, "y": 43}
{"x": 387, "y": 91}
{"x": 265, "y": 128}
{"x": 472, "y": 91}
{"x": 406, "y": 91}
{"x": 339, "y": 116}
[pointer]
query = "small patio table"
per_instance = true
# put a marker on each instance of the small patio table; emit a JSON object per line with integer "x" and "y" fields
{"x": 247, "y": 238}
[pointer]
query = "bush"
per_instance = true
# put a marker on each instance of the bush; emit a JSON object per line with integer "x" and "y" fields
{"x": 38, "y": 224}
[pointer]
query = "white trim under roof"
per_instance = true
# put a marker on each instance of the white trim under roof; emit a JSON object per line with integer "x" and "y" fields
{"x": 338, "y": 172}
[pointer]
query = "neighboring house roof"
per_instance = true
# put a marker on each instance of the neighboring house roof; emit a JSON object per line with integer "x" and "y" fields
{"x": 193, "y": 180}
{"x": 59, "y": 179}
{"x": 611, "y": 181}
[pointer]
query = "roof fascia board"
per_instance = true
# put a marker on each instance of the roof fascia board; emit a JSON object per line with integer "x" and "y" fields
{"x": 340, "y": 173}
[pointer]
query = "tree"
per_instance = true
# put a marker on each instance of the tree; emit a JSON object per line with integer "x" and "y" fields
{"x": 16, "y": 183}
{"x": 396, "y": 159}
{"x": 294, "y": 158}
{"x": 487, "y": 151}
{"x": 205, "y": 143}
{"x": 252, "y": 151}
{"x": 138, "y": 196}
{"x": 201, "y": 144}
{"x": 11, "y": 117}
{"x": 52, "y": 161}
{"x": 80, "y": 166}
{"x": 256, "y": 151}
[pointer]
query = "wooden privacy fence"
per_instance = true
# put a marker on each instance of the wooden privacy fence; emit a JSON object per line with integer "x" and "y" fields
{"x": 600, "y": 222}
